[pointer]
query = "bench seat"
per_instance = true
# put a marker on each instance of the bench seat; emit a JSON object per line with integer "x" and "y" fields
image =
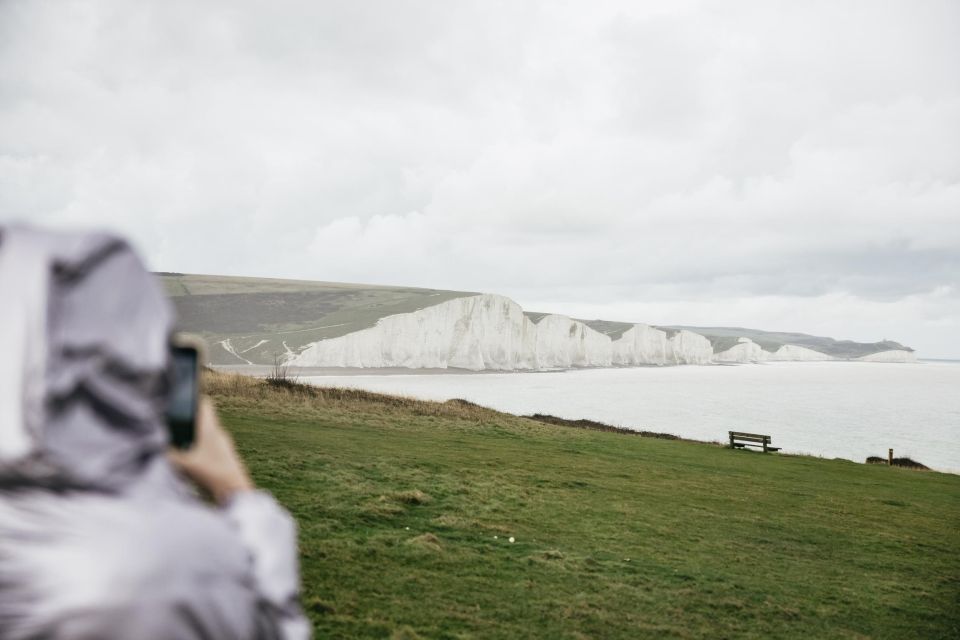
{"x": 741, "y": 439}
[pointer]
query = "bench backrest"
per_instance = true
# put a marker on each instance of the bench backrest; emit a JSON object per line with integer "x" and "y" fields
{"x": 749, "y": 437}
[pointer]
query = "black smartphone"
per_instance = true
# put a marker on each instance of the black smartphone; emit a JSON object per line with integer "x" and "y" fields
{"x": 184, "y": 399}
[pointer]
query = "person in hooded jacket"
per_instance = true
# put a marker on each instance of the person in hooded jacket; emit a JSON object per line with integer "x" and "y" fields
{"x": 101, "y": 533}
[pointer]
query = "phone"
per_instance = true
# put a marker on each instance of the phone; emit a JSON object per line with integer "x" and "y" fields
{"x": 184, "y": 399}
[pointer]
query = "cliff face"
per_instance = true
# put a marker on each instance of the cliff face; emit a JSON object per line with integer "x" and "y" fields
{"x": 796, "y": 353}
{"x": 562, "y": 343}
{"x": 641, "y": 344}
{"x": 896, "y": 355}
{"x": 476, "y": 332}
{"x": 749, "y": 351}
{"x": 745, "y": 351}
{"x": 687, "y": 347}
{"x": 492, "y": 332}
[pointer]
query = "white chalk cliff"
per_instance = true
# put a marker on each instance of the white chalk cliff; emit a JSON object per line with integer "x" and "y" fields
{"x": 492, "y": 332}
{"x": 687, "y": 347}
{"x": 895, "y": 355}
{"x": 746, "y": 350}
{"x": 562, "y": 343}
{"x": 477, "y": 332}
{"x": 640, "y": 344}
{"x": 794, "y": 353}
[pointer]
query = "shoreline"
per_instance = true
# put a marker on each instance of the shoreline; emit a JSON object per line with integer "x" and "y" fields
{"x": 265, "y": 370}
{"x": 703, "y": 403}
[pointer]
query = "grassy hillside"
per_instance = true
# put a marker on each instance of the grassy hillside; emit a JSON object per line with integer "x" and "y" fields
{"x": 406, "y": 509}
{"x": 251, "y": 320}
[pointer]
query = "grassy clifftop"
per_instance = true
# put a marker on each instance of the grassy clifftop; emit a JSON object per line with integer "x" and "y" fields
{"x": 252, "y": 320}
{"x": 406, "y": 510}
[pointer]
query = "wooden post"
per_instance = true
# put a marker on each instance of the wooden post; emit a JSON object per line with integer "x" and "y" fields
{"x": 765, "y": 441}
{"x": 731, "y": 439}
{"x": 890, "y": 457}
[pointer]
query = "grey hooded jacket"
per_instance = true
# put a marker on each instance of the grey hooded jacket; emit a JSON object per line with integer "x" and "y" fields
{"x": 99, "y": 538}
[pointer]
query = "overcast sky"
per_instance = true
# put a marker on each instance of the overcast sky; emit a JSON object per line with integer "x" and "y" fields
{"x": 777, "y": 165}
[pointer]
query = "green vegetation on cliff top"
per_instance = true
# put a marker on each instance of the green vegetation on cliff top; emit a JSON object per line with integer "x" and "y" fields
{"x": 406, "y": 509}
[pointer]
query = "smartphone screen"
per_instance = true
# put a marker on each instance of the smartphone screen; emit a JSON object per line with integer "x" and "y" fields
{"x": 182, "y": 408}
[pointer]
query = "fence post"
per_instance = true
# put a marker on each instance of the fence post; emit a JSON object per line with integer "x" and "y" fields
{"x": 890, "y": 457}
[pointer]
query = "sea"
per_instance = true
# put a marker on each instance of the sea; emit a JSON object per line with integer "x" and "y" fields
{"x": 848, "y": 410}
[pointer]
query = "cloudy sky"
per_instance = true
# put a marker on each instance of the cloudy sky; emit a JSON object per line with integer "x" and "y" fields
{"x": 779, "y": 165}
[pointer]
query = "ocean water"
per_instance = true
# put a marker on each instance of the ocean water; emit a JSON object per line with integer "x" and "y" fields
{"x": 845, "y": 410}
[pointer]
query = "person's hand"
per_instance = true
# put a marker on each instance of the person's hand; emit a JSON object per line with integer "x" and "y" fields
{"x": 212, "y": 462}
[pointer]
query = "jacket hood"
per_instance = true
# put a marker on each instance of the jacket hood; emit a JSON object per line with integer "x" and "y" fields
{"x": 85, "y": 389}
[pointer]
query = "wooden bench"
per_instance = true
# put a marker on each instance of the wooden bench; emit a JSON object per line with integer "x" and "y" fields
{"x": 739, "y": 439}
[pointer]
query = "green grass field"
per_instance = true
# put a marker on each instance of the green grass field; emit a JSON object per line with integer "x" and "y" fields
{"x": 406, "y": 509}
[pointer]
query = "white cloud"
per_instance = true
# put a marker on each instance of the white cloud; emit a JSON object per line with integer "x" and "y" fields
{"x": 787, "y": 166}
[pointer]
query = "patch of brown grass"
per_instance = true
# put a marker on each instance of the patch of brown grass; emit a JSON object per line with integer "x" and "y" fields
{"x": 899, "y": 462}
{"x": 426, "y": 541}
{"x": 460, "y": 522}
{"x": 414, "y": 497}
{"x": 593, "y": 425}
{"x": 379, "y": 508}
{"x": 241, "y": 387}
{"x": 405, "y": 633}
